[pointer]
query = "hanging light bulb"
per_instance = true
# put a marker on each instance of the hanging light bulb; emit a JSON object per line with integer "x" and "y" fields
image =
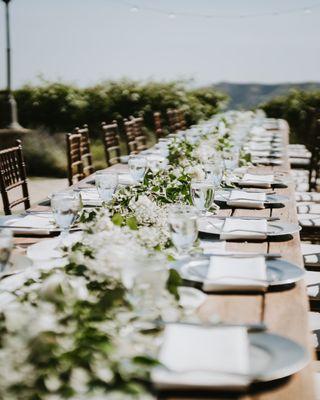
{"x": 172, "y": 16}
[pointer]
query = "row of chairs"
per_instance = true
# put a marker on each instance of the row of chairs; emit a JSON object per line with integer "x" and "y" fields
{"x": 80, "y": 162}
{"x": 13, "y": 176}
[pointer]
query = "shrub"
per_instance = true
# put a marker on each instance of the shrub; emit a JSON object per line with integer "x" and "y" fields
{"x": 61, "y": 107}
{"x": 299, "y": 108}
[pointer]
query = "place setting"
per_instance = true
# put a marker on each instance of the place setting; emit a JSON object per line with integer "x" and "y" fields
{"x": 236, "y": 198}
{"x": 202, "y": 358}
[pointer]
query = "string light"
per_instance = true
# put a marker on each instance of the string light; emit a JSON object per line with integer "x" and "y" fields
{"x": 173, "y": 14}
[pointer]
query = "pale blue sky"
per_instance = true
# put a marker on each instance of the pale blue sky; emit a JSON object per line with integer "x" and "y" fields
{"x": 85, "y": 41}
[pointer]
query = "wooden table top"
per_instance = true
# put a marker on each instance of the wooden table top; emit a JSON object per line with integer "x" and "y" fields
{"x": 284, "y": 312}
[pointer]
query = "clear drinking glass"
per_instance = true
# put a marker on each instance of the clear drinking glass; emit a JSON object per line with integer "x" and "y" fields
{"x": 137, "y": 167}
{"x": 149, "y": 285}
{"x": 65, "y": 207}
{"x": 182, "y": 220}
{"x": 6, "y": 244}
{"x": 214, "y": 171}
{"x": 202, "y": 194}
{"x": 106, "y": 184}
{"x": 231, "y": 159}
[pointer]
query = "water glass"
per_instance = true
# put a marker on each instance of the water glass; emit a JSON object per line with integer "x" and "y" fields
{"x": 137, "y": 167}
{"x": 106, "y": 184}
{"x": 6, "y": 244}
{"x": 214, "y": 171}
{"x": 202, "y": 194}
{"x": 182, "y": 220}
{"x": 231, "y": 159}
{"x": 65, "y": 207}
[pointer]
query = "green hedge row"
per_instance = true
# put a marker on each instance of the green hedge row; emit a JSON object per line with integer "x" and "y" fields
{"x": 61, "y": 107}
{"x": 299, "y": 108}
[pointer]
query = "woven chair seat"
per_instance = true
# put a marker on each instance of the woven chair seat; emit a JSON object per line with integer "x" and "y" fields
{"x": 308, "y": 196}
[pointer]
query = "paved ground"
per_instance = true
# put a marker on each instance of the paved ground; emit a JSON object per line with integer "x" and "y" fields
{"x": 39, "y": 188}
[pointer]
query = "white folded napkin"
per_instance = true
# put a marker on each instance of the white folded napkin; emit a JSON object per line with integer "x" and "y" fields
{"x": 245, "y": 229}
{"x": 32, "y": 224}
{"x": 202, "y": 357}
{"x": 90, "y": 197}
{"x": 237, "y": 274}
{"x": 263, "y": 181}
{"x": 126, "y": 179}
{"x": 239, "y": 198}
{"x": 210, "y": 246}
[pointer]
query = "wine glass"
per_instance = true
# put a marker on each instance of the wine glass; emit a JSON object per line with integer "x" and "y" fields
{"x": 182, "y": 220}
{"x": 214, "y": 171}
{"x": 65, "y": 207}
{"x": 231, "y": 158}
{"x": 202, "y": 194}
{"x": 137, "y": 167}
{"x": 6, "y": 244}
{"x": 106, "y": 184}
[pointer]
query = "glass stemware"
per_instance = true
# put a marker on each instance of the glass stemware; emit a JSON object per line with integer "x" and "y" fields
{"x": 202, "y": 194}
{"x": 106, "y": 184}
{"x": 182, "y": 220}
{"x": 6, "y": 244}
{"x": 214, "y": 171}
{"x": 137, "y": 167}
{"x": 65, "y": 207}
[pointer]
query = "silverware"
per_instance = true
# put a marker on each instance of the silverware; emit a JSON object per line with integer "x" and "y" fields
{"x": 250, "y": 218}
{"x": 268, "y": 256}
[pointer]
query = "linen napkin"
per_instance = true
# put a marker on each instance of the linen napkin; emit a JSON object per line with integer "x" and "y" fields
{"x": 126, "y": 179}
{"x": 244, "y": 199}
{"x": 90, "y": 197}
{"x": 195, "y": 356}
{"x": 236, "y": 274}
{"x": 31, "y": 224}
{"x": 263, "y": 181}
{"x": 246, "y": 229}
{"x": 211, "y": 246}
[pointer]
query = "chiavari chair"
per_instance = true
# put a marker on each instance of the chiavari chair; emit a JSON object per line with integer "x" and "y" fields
{"x": 138, "y": 129}
{"x": 111, "y": 142}
{"x": 86, "y": 155}
{"x": 173, "y": 120}
{"x": 158, "y": 124}
{"x": 13, "y": 176}
{"x": 75, "y": 163}
{"x": 129, "y": 129}
{"x": 181, "y": 120}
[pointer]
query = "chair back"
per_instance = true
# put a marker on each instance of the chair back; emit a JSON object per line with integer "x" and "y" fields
{"x": 158, "y": 124}
{"x": 181, "y": 120}
{"x": 129, "y": 129}
{"x": 314, "y": 170}
{"x": 13, "y": 176}
{"x": 75, "y": 163}
{"x": 139, "y": 133}
{"x": 86, "y": 155}
{"x": 173, "y": 122}
{"x": 111, "y": 142}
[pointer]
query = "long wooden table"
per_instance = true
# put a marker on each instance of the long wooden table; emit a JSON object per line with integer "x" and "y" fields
{"x": 284, "y": 312}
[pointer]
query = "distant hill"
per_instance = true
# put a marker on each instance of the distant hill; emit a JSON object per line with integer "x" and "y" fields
{"x": 248, "y": 95}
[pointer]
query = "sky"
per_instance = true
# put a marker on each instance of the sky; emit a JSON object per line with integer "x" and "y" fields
{"x": 86, "y": 41}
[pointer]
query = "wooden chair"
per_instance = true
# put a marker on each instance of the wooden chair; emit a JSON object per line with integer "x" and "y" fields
{"x": 12, "y": 176}
{"x": 139, "y": 133}
{"x": 75, "y": 163}
{"x": 129, "y": 129}
{"x": 181, "y": 119}
{"x": 173, "y": 122}
{"x": 86, "y": 155}
{"x": 158, "y": 124}
{"x": 111, "y": 142}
